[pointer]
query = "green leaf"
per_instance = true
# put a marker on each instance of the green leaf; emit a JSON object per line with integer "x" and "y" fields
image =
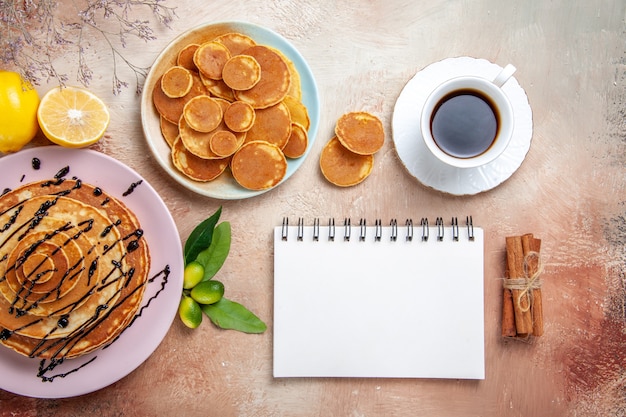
{"x": 232, "y": 315}
{"x": 213, "y": 257}
{"x": 200, "y": 238}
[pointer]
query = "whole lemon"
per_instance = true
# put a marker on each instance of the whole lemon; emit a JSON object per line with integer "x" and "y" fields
{"x": 18, "y": 112}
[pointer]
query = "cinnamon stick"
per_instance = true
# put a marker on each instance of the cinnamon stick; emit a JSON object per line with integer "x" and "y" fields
{"x": 521, "y": 299}
{"x": 531, "y": 244}
{"x": 508, "y": 314}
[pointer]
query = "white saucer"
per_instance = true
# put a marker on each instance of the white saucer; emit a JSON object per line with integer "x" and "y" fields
{"x": 413, "y": 151}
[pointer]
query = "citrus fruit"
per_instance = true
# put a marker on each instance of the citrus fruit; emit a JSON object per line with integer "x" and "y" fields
{"x": 18, "y": 112}
{"x": 208, "y": 292}
{"x": 72, "y": 117}
{"x": 194, "y": 272}
{"x": 189, "y": 312}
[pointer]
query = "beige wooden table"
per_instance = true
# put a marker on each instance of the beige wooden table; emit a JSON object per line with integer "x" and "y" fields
{"x": 570, "y": 191}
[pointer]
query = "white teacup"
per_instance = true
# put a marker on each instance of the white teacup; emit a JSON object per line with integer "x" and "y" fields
{"x": 468, "y": 121}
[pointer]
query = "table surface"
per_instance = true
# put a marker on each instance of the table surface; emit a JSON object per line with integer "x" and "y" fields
{"x": 569, "y": 191}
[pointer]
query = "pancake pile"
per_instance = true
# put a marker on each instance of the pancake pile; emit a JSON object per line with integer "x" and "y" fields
{"x": 225, "y": 92}
{"x": 348, "y": 158}
{"x": 73, "y": 268}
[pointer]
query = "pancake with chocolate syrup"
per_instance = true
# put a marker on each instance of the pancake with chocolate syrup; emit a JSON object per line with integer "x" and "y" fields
{"x": 73, "y": 268}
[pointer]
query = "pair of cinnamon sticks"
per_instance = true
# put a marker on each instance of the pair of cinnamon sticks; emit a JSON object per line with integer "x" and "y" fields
{"x": 522, "y": 306}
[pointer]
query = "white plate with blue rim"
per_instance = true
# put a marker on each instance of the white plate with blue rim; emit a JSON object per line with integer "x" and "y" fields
{"x": 224, "y": 187}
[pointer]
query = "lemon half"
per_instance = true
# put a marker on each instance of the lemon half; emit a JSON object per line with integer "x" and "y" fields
{"x": 72, "y": 117}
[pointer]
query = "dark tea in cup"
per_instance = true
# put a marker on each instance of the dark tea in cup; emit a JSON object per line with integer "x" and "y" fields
{"x": 464, "y": 123}
{"x": 468, "y": 121}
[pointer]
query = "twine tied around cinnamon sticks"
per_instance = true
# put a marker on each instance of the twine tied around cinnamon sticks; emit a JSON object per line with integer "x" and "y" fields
{"x": 522, "y": 306}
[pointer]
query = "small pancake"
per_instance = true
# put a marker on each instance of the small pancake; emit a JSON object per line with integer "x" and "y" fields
{"x": 210, "y": 58}
{"x": 272, "y": 124}
{"x": 298, "y": 111}
{"x": 203, "y": 113}
{"x": 239, "y": 116}
{"x": 343, "y": 167}
{"x": 169, "y": 130}
{"x": 196, "y": 168}
{"x": 224, "y": 143}
{"x": 235, "y": 42}
{"x": 298, "y": 142}
{"x": 360, "y": 132}
{"x": 258, "y": 165}
{"x": 172, "y": 108}
{"x": 176, "y": 82}
{"x": 241, "y": 72}
{"x": 275, "y": 79}
{"x": 185, "y": 57}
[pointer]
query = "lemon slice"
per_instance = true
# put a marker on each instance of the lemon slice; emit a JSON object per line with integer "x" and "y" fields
{"x": 72, "y": 117}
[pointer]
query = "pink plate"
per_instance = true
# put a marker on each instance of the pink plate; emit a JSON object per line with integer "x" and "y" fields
{"x": 108, "y": 365}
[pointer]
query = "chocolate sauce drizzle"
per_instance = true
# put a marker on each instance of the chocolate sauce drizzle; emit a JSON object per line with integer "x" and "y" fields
{"x": 128, "y": 243}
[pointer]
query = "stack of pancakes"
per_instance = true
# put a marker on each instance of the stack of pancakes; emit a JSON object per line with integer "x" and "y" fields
{"x": 230, "y": 103}
{"x": 73, "y": 268}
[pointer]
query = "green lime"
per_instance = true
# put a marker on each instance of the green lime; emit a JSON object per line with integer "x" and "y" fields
{"x": 190, "y": 312}
{"x": 194, "y": 272}
{"x": 208, "y": 292}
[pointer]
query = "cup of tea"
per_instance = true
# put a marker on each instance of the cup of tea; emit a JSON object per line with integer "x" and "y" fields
{"x": 468, "y": 121}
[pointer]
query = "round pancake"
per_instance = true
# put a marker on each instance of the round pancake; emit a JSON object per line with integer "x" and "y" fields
{"x": 272, "y": 124}
{"x": 196, "y": 168}
{"x": 176, "y": 82}
{"x": 241, "y": 72}
{"x": 258, "y": 165}
{"x": 203, "y": 113}
{"x": 343, "y": 167}
{"x": 275, "y": 79}
{"x": 185, "y": 57}
{"x": 224, "y": 143}
{"x": 239, "y": 116}
{"x": 210, "y": 58}
{"x": 235, "y": 42}
{"x": 298, "y": 142}
{"x": 172, "y": 108}
{"x": 360, "y": 132}
{"x": 128, "y": 274}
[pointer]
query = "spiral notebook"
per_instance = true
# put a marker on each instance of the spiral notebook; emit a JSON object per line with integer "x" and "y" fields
{"x": 394, "y": 300}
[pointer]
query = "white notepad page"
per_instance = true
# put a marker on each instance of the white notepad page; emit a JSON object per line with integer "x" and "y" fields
{"x": 378, "y": 308}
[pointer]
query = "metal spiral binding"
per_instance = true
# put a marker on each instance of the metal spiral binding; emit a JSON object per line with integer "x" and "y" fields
{"x": 363, "y": 225}
{"x": 470, "y": 228}
{"x": 425, "y": 232}
{"x": 300, "y": 229}
{"x": 394, "y": 229}
{"x": 285, "y": 229}
{"x": 378, "y": 229}
{"x": 455, "y": 229}
{"x": 316, "y": 229}
{"x": 409, "y": 229}
{"x": 440, "y": 230}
